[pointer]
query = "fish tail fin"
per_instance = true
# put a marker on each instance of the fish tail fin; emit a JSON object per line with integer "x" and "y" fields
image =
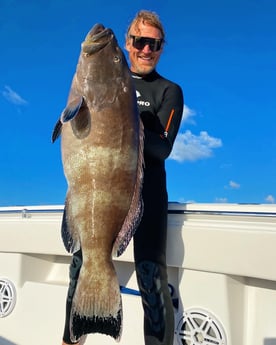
{"x": 97, "y": 305}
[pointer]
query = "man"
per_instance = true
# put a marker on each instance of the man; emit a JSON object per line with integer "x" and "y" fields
{"x": 160, "y": 104}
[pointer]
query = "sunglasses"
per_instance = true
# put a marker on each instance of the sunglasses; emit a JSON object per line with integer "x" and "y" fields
{"x": 140, "y": 42}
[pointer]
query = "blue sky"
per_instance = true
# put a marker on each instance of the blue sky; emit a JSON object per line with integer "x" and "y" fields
{"x": 221, "y": 52}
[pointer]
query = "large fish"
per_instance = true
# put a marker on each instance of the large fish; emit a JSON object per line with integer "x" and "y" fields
{"x": 102, "y": 155}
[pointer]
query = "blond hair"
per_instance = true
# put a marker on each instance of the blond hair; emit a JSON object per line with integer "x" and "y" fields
{"x": 147, "y": 17}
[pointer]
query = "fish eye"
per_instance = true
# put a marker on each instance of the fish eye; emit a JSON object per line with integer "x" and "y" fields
{"x": 116, "y": 58}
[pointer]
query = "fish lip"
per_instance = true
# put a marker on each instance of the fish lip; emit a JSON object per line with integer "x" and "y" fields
{"x": 96, "y": 39}
{"x": 97, "y": 32}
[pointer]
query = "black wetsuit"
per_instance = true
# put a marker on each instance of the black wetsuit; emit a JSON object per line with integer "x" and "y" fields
{"x": 160, "y": 105}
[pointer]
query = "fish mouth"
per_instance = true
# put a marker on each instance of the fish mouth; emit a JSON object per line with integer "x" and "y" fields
{"x": 96, "y": 39}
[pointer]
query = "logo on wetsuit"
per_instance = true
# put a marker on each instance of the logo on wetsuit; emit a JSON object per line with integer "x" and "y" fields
{"x": 141, "y": 102}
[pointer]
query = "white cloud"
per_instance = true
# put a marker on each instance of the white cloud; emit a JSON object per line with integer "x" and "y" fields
{"x": 187, "y": 115}
{"x": 222, "y": 200}
{"x": 13, "y": 97}
{"x": 234, "y": 185}
{"x": 182, "y": 200}
{"x": 270, "y": 198}
{"x": 190, "y": 147}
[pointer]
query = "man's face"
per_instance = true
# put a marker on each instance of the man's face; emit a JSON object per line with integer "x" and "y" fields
{"x": 143, "y": 59}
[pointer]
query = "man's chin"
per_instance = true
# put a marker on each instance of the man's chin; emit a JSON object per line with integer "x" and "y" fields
{"x": 145, "y": 69}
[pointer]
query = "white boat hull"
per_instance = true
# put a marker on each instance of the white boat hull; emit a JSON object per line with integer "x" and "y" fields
{"x": 221, "y": 264}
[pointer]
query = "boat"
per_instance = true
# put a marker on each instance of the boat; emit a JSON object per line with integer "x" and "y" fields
{"x": 221, "y": 271}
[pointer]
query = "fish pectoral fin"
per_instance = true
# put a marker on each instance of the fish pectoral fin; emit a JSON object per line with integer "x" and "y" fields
{"x": 68, "y": 114}
{"x": 56, "y": 131}
{"x": 72, "y": 109}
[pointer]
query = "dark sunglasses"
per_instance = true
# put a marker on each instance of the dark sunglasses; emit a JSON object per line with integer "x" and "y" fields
{"x": 140, "y": 42}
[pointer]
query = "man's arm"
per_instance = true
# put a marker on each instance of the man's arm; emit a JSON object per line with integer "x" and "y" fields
{"x": 161, "y": 130}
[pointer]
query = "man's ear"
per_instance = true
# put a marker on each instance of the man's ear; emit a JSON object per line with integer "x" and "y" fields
{"x": 128, "y": 44}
